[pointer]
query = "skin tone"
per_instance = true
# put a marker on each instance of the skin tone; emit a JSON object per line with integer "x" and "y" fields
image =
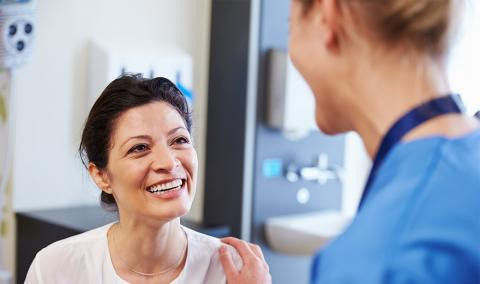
{"x": 150, "y": 145}
{"x": 381, "y": 83}
{"x": 255, "y": 269}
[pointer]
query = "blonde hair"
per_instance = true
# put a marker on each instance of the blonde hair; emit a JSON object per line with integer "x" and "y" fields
{"x": 422, "y": 24}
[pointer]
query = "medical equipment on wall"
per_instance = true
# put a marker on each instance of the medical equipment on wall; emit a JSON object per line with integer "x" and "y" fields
{"x": 108, "y": 60}
{"x": 17, "y": 32}
{"x": 290, "y": 102}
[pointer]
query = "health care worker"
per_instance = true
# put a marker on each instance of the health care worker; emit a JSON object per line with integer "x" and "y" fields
{"x": 377, "y": 67}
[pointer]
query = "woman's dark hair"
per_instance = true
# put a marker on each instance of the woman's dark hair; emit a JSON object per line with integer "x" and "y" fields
{"x": 122, "y": 94}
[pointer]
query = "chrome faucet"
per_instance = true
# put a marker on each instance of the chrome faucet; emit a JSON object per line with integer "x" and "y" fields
{"x": 320, "y": 173}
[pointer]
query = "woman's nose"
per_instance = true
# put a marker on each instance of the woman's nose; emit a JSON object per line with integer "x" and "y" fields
{"x": 164, "y": 159}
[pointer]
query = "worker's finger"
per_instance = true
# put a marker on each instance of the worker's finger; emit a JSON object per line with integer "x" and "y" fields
{"x": 257, "y": 251}
{"x": 227, "y": 263}
{"x": 242, "y": 248}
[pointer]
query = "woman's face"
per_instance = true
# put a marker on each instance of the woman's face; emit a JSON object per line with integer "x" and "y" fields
{"x": 309, "y": 52}
{"x": 152, "y": 165}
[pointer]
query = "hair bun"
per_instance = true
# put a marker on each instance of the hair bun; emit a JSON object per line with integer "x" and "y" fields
{"x": 423, "y": 23}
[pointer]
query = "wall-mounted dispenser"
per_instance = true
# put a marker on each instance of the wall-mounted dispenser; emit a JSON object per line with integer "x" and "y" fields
{"x": 290, "y": 102}
{"x": 108, "y": 60}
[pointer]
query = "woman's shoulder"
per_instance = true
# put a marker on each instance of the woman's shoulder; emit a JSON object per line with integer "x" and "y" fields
{"x": 201, "y": 243}
{"x": 89, "y": 242}
{"x": 88, "y": 237}
{"x": 203, "y": 251}
{"x": 60, "y": 260}
{"x": 201, "y": 239}
{"x": 205, "y": 242}
{"x": 439, "y": 156}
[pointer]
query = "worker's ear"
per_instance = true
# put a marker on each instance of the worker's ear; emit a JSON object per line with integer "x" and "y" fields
{"x": 326, "y": 15}
{"x": 100, "y": 177}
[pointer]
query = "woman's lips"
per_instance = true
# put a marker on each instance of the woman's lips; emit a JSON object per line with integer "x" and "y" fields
{"x": 166, "y": 185}
{"x": 169, "y": 190}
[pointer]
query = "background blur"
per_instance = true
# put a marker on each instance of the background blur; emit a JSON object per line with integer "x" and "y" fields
{"x": 230, "y": 44}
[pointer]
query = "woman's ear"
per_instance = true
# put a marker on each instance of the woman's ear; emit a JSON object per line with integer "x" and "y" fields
{"x": 327, "y": 13}
{"x": 100, "y": 178}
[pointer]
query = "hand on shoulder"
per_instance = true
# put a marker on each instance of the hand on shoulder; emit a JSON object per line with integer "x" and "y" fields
{"x": 255, "y": 269}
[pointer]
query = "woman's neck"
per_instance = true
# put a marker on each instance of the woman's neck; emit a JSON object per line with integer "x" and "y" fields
{"x": 394, "y": 87}
{"x": 148, "y": 248}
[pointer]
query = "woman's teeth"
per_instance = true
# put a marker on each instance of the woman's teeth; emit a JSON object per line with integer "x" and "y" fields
{"x": 166, "y": 187}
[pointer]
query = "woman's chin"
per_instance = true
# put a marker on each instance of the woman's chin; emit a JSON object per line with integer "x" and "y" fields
{"x": 325, "y": 127}
{"x": 329, "y": 127}
{"x": 169, "y": 211}
{"x": 179, "y": 210}
{"x": 171, "y": 215}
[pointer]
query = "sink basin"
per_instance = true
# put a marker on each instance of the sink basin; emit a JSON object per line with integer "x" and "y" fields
{"x": 304, "y": 234}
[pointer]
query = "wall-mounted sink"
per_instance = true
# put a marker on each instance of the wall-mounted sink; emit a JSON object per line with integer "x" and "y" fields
{"x": 303, "y": 234}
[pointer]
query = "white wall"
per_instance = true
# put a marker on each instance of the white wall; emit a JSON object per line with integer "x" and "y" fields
{"x": 357, "y": 165}
{"x": 464, "y": 61}
{"x": 52, "y": 88}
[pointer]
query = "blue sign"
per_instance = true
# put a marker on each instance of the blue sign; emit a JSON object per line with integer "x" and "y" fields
{"x": 272, "y": 168}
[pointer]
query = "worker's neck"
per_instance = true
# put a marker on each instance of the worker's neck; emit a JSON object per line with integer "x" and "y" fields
{"x": 396, "y": 86}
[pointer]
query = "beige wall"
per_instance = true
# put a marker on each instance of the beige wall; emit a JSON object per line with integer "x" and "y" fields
{"x": 52, "y": 88}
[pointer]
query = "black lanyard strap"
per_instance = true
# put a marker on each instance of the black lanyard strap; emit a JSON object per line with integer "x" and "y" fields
{"x": 420, "y": 114}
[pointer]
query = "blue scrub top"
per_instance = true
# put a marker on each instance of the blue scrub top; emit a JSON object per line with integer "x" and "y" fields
{"x": 420, "y": 222}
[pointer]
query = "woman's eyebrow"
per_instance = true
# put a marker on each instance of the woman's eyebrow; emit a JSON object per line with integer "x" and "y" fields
{"x": 175, "y": 130}
{"x": 147, "y": 137}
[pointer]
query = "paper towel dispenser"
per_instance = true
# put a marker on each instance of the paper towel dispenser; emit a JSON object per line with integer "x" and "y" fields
{"x": 290, "y": 102}
{"x": 110, "y": 59}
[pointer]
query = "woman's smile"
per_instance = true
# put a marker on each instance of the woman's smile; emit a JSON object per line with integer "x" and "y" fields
{"x": 168, "y": 189}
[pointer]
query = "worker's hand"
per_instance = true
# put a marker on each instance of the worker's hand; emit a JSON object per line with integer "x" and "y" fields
{"x": 255, "y": 269}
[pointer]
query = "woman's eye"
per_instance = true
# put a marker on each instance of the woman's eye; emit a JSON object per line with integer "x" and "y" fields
{"x": 181, "y": 140}
{"x": 138, "y": 148}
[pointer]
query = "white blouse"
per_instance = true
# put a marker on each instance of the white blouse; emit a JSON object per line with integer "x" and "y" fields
{"x": 85, "y": 258}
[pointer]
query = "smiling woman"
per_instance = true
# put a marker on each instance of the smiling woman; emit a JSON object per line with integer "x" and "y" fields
{"x": 137, "y": 147}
